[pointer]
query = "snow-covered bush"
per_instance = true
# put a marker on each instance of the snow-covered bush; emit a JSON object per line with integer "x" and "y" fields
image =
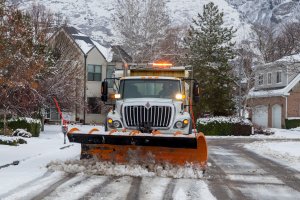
{"x": 21, "y": 133}
{"x": 224, "y": 126}
{"x": 31, "y": 125}
{"x": 14, "y": 141}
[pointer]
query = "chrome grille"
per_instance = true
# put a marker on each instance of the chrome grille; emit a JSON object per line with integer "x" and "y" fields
{"x": 155, "y": 116}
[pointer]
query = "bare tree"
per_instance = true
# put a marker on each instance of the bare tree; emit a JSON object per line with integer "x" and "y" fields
{"x": 42, "y": 21}
{"x": 142, "y": 25}
{"x": 275, "y": 44}
{"x": 172, "y": 48}
{"x": 63, "y": 78}
{"x": 244, "y": 68}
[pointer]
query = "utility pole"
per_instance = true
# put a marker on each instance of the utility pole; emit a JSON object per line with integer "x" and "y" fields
{"x": 240, "y": 90}
{"x": 84, "y": 89}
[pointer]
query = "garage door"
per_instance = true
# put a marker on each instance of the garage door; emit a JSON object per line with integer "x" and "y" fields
{"x": 276, "y": 116}
{"x": 260, "y": 116}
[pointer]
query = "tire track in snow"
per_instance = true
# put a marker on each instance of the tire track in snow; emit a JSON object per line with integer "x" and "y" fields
{"x": 35, "y": 186}
{"x": 170, "y": 190}
{"x": 77, "y": 188}
{"x": 52, "y": 187}
{"x": 243, "y": 174}
{"x": 28, "y": 184}
{"x": 134, "y": 191}
{"x": 219, "y": 186}
{"x": 286, "y": 175}
{"x": 153, "y": 187}
{"x": 101, "y": 189}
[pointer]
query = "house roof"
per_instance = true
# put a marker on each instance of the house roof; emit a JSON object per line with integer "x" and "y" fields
{"x": 275, "y": 92}
{"x": 286, "y": 59}
{"x": 86, "y": 44}
{"x": 119, "y": 54}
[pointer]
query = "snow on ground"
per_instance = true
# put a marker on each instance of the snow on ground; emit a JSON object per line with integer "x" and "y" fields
{"x": 95, "y": 167}
{"x": 284, "y": 152}
{"x": 33, "y": 157}
{"x": 45, "y": 159}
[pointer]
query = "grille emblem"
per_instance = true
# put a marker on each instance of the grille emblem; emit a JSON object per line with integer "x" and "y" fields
{"x": 147, "y": 105}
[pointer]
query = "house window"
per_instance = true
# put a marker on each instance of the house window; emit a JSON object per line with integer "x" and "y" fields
{"x": 260, "y": 79}
{"x": 269, "y": 78}
{"x": 94, "y": 72}
{"x": 278, "y": 77}
{"x": 94, "y": 105}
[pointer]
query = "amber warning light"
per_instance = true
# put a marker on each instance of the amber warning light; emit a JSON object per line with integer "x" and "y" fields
{"x": 162, "y": 65}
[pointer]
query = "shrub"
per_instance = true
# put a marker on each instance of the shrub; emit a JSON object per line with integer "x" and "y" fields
{"x": 31, "y": 125}
{"x": 13, "y": 141}
{"x": 292, "y": 123}
{"x": 224, "y": 126}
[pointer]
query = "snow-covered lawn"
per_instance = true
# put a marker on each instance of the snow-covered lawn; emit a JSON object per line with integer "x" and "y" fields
{"x": 285, "y": 152}
{"x": 33, "y": 157}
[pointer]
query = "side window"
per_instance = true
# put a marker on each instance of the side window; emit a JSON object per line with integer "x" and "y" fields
{"x": 94, "y": 72}
{"x": 278, "y": 77}
{"x": 94, "y": 105}
{"x": 260, "y": 79}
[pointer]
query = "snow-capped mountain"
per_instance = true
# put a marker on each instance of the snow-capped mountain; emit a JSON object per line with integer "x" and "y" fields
{"x": 94, "y": 17}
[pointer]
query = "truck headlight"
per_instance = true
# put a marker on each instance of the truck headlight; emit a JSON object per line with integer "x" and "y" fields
{"x": 117, "y": 96}
{"x": 117, "y": 124}
{"x": 179, "y": 96}
{"x": 179, "y": 124}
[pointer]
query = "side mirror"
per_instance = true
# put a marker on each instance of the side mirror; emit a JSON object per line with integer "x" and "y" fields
{"x": 104, "y": 90}
{"x": 196, "y": 93}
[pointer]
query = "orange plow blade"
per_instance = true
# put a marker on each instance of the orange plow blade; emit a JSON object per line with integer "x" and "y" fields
{"x": 176, "y": 150}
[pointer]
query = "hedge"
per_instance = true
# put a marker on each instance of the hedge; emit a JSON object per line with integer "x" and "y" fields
{"x": 292, "y": 123}
{"x": 31, "y": 125}
{"x": 224, "y": 126}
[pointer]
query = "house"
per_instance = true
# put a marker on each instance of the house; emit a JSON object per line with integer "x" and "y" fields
{"x": 275, "y": 98}
{"x": 97, "y": 62}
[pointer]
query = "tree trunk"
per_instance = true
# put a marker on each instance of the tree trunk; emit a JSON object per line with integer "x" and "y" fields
{"x": 4, "y": 123}
{"x": 43, "y": 122}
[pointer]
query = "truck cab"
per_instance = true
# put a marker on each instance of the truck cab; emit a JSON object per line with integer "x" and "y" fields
{"x": 149, "y": 100}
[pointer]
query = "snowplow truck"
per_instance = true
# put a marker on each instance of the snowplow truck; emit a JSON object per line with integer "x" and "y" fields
{"x": 150, "y": 119}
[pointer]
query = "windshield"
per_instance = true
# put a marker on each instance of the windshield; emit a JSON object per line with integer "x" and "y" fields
{"x": 149, "y": 88}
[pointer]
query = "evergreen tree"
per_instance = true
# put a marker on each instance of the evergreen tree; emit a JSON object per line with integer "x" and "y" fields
{"x": 209, "y": 49}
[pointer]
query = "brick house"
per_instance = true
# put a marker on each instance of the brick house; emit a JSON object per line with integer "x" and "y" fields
{"x": 275, "y": 98}
{"x": 98, "y": 63}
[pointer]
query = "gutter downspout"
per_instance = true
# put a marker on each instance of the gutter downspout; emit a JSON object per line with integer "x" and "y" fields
{"x": 286, "y": 107}
{"x": 84, "y": 89}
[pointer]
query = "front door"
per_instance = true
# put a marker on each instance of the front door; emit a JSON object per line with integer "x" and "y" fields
{"x": 276, "y": 116}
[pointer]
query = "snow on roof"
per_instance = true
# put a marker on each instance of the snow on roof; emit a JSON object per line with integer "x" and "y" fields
{"x": 84, "y": 46}
{"x": 276, "y": 92}
{"x": 285, "y": 59}
{"x": 85, "y": 43}
{"x": 292, "y": 58}
{"x": 106, "y": 52}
